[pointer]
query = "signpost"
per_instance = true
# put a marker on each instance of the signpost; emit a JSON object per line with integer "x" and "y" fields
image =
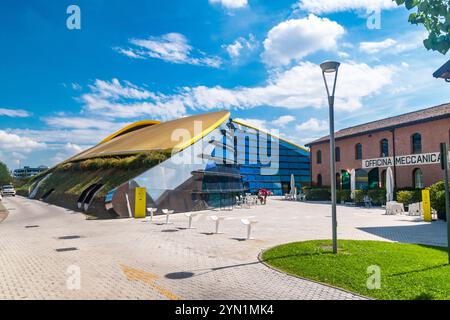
{"x": 140, "y": 207}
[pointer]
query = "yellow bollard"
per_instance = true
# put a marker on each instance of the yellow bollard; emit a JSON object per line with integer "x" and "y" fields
{"x": 426, "y": 205}
{"x": 140, "y": 206}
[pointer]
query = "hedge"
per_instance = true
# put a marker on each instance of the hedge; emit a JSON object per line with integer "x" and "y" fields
{"x": 317, "y": 194}
{"x": 343, "y": 195}
{"x": 437, "y": 197}
{"x": 408, "y": 197}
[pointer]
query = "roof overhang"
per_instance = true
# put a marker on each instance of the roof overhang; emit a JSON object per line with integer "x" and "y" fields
{"x": 443, "y": 72}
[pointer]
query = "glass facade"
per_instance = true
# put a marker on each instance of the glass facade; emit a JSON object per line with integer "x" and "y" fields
{"x": 266, "y": 162}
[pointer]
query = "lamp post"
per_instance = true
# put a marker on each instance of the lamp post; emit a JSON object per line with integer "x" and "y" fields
{"x": 330, "y": 68}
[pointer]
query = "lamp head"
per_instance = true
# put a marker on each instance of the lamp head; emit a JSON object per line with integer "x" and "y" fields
{"x": 329, "y": 66}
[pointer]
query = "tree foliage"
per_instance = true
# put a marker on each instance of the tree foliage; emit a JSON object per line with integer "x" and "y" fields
{"x": 434, "y": 15}
{"x": 5, "y": 176}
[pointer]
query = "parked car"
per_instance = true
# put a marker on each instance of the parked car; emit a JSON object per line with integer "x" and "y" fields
{"x": 8, "y": 190}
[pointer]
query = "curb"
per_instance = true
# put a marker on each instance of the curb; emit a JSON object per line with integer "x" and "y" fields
{"x": 306, "y": 279}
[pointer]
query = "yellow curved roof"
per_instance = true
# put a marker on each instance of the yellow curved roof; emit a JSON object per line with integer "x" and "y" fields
{"x": 131, "y": 127}
{"x": 157, "y": 137}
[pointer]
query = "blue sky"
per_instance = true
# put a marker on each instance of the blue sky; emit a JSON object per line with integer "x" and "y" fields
{"x": 64, "y": 90}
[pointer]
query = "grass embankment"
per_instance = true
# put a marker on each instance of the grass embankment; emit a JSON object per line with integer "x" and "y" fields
{"x": 69, "y": 179}
{"x": 408, "y": 271}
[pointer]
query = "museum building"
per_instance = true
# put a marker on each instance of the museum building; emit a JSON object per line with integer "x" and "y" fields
{"x": 408, "y": 143}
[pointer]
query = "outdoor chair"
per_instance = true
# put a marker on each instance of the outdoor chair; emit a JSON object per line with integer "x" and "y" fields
{"x": 217, "y": 220}
{"x": 393, "y": 207}
{"x": 239, "y": 202}
{"x": 151, "y": 211}
{"x": 248, "y": 223}
{"x": 190, "y": 215}
{"x": 167, "y": 212}
{"x": 415, "y": 209}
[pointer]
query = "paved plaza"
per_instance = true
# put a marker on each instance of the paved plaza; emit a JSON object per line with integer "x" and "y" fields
{"x": 43, "y": 248}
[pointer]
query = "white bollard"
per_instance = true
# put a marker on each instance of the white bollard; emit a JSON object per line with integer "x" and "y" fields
{"x": 248, "y": 223}
{"x": 151, "y": 210}
{"x": 190, "y": 215}
{"x": 217, "y": 221}
{"x": 167, "y": 212}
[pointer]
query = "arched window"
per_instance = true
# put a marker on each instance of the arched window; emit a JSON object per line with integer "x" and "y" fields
{"x": 384, "y": 148}
{"x": 416, "y": 143}
{"x": 319, "y": 157}
{"x": 358, "y": 151}
{"x": 337, "y": 154}
{"x": 319, "y": 180}
{"x": 418, "y": 179}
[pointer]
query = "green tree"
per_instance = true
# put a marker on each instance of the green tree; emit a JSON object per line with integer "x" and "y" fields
{"x": 434, "y": 15}
{"x": 5, "y": 176}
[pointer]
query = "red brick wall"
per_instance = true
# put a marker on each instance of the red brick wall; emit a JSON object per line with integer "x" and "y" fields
{"x": 433, "y": 133}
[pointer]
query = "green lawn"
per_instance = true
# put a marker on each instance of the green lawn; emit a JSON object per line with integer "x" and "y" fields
{"x": 408, "y": 271}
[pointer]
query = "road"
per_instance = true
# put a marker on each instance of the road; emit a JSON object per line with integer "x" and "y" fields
{"x": 43, "y": 249}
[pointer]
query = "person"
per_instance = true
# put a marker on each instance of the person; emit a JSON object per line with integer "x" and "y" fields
{"x": 262, "y": 195}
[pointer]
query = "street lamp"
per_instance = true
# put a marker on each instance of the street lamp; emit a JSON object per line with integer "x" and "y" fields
{"x": 330, "y": 68}
{"x": 443, "y": 72}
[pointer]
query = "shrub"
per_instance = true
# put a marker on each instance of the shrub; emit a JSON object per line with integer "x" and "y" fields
{"x": 317, "y": 194}
{"x": 437, "y": 197}
{"x": 343, "y": 195}
{"x": 378, "y": 196}
{"x": 408, "y": 197}
{"x": 359, "y": 196}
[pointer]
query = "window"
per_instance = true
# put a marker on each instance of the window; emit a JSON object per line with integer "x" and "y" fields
{"x": 358, "y": 151}
{"x": 319, "y": 157}
{"x": 418, "y": 179}
{"x": 337, "y": 154}
{"x": 416, "y": 143}
{"x": 338, "y": 181}
{"x": 384, "y": 148}
{"x": 319, "y": 180}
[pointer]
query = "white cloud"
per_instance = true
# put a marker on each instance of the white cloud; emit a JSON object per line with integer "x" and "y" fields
{"x": 257, "y": 123}
{"x": 230, "y": 4}
{"x": 72, "y": 148}
{"x": 294, "y": 39}
{"x": 313, "y": 124}
{"x": 241, "y": 45}
{"x": 328, "y": 6}
{"x": 125, "y": 100}
{"x": 298, "y": 87}
{"x": 78, "y": 123}
{"x": 409, "y": 41}
{"x": 170, "y": 47}
{"x": 283, "y": 120}
{"x": 15, "y": 143}
{"x": 376, "y": 46}
{"x": 15, "y": 113}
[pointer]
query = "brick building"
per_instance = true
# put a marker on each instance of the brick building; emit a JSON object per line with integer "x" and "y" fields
{"x": 408, "y": 143}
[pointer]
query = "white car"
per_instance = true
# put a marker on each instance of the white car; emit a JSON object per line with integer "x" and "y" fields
{"x": 8, "y": 190}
